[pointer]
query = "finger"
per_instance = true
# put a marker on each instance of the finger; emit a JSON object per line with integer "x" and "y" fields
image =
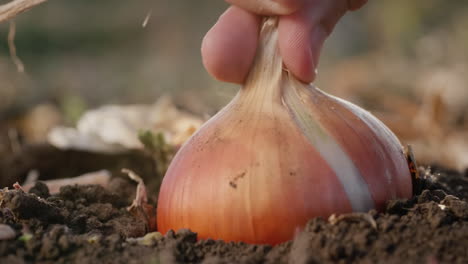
{"x": 228, "y": 49}
{"x": 300, "y": 49}
{"x": 356, "y": 4}
{"x": 269, "y": 7}
{"x": 302, "y": 34}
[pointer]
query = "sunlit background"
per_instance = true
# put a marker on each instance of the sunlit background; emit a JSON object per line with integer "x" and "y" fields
{"x": 404, "y": 60}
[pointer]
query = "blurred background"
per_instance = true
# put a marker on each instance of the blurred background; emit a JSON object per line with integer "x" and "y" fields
{"x": 406, "y": 61}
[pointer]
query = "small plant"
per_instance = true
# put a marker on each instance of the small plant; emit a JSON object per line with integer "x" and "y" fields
{"x": 160, "y": 150}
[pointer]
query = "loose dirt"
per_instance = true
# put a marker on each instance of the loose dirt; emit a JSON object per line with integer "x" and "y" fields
{"x": 90, "y": 224}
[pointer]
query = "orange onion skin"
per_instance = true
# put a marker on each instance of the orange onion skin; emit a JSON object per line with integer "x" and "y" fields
{"x": 280, "y": 153}
{"x": 221, "y": 186}
{"x": 224, "y": 199}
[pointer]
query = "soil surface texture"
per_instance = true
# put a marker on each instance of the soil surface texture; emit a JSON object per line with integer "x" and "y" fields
{"x": 91, "y": 224}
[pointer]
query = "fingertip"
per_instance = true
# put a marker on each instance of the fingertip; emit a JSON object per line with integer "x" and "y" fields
{"x": 302, "y": 35}
{"x": 294, "y": 46}
{"x": 228, "y": 49}
{"x": 269, "y": 7}
{"x": 302, "y": 52}
{"x": 289, "y": 6}
{"x": 354, "y": 5}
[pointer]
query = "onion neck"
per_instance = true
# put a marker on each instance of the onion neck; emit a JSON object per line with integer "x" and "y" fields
{"x": 264, "y": 81}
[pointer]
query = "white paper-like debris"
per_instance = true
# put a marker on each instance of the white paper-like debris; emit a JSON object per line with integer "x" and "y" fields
{"x": 114, "y": 128}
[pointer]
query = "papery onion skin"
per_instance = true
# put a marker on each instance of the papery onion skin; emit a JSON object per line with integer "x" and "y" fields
{"x": 281, "y": 153}
{"x": 230, "y": 184}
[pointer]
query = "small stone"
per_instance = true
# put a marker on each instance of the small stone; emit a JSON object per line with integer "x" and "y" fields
{"x": 147, "y": 240}
{"x": 6, "y": 232}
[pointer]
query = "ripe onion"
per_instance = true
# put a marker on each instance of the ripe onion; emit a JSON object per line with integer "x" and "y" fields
{"x": 281, "y": 152}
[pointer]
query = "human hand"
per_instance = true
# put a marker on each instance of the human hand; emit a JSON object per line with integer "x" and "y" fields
{"x": 228, "y": 49}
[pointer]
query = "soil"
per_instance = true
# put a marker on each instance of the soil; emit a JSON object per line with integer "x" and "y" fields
{"x": 90, "y": 224}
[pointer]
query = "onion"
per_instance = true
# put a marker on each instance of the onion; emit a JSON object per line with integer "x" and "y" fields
{"x": 280, "y": 153}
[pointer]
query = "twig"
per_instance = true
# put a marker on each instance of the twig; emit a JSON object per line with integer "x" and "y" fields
{"x": 11, "y": 45}
{"x": 147, "y": 18}
{"x": 31, "y": 178}
{"x": 140, "y": 207}
{"x": 17, "y": 186}
{"x": 14, "y": 140}
{"x": 15, "y": 7}
{"x": 101, "y": 177}
{"x": 141, "y": 195}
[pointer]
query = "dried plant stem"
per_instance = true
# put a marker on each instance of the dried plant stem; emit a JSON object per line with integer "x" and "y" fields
{"x": 15, "y": 7}
{"x": 147, "y": 18}
{"x": 11, "y": 45}
{"x": 141, "y": 196}
{"x": 101, "y": 177}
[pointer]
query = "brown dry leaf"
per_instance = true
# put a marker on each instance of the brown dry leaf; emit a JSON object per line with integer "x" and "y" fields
{"x": 435, "y": 138}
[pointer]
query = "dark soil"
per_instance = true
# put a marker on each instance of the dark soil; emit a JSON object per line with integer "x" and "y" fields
{"x": 52, "y": 163}
{"x": 90, "y": 224}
